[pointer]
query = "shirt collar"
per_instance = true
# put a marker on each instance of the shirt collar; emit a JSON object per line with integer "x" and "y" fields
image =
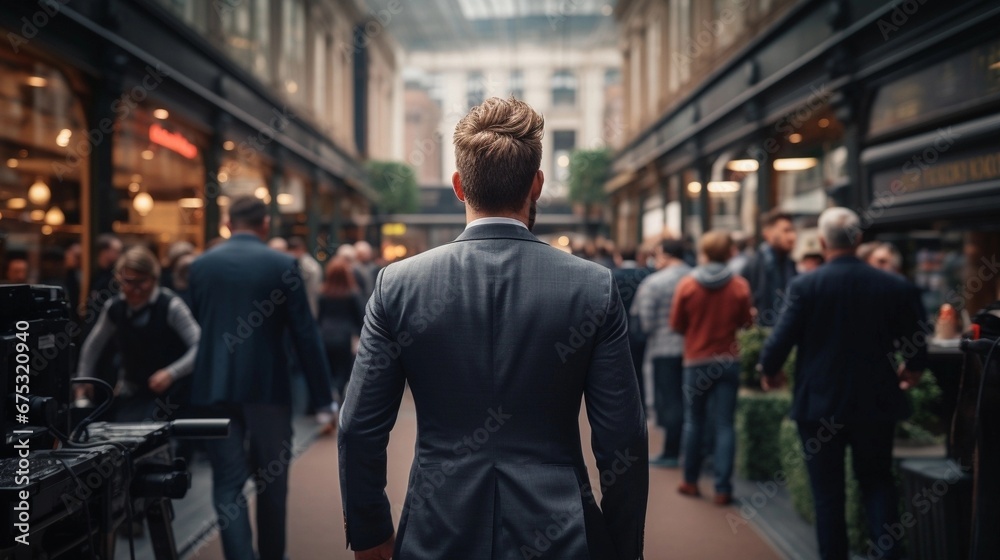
{"x": 495, "y": 220}
{"x": 152, "y": 297}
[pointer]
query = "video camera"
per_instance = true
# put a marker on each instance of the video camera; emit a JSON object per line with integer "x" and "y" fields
{"x": 66, "y": 498}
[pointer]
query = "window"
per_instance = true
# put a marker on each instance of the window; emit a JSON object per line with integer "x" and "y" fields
{"x": 475, "y": 89}
{"x": 682, "y": 48}
{"x": 563, "y": 144}
{"x": 517, "y": 84}
{"x": 246, "y": 34}
{"x": 612, "y": 77}
{"x": 563, "y": 88}
{"x": 195, "y": 12}
{"x": 730, "y": 15}
{"x": 320, "y": 76}
{"x": 292, "y": 70}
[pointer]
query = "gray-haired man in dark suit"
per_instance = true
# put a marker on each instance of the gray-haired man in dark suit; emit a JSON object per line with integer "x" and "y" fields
{"x": 499, "y": 337}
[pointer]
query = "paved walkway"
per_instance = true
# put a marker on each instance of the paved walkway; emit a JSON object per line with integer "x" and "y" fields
{"x": 676, "y": 526}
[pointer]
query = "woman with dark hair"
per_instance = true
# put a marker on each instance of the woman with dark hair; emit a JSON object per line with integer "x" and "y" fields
{"x": 341, "y": 314}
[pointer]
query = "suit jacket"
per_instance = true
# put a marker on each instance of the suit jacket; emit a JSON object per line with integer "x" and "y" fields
{"x": 499, "y": 336}
{"x": 245, "y": 296}
{"x": 849, "y": 320}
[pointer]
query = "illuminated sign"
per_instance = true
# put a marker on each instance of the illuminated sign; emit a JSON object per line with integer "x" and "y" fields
{"x": 394, "y": 229}
{"x": 173, "y": 141}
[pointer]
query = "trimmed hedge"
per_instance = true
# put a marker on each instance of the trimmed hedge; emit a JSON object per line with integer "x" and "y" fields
{"x": 758, "y": 421}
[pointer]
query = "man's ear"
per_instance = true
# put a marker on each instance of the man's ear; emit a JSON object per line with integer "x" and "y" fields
{"x": 456, "y": 185}
{"x": 822, "y": 243}
{"x": 536, "y": 185}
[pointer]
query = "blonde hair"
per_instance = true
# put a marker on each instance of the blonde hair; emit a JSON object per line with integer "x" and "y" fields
{"x": 716, "y": 245}
{"x": 139, "y": 259}
{"x": 498, "y": 149}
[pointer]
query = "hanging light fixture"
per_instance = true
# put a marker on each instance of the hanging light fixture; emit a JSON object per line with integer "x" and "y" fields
{"x": 143, "y": 203}
{"x": 39, "y": 193}
{"x": 55, "y": 216}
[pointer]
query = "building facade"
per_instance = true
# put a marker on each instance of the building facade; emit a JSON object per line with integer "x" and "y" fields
{"x": 890, "y": 108}
{"x": 145, "y": 118}
{"x": 576, "y": 89}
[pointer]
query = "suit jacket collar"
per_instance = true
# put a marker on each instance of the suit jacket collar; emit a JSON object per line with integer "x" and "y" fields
{"x": 497, "y": 231}
{"x": 245, "y": 236}
{"x": 846, "y": 259}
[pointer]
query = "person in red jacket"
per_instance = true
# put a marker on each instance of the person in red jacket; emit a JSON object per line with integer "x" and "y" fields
{"x": 710, "y": 306}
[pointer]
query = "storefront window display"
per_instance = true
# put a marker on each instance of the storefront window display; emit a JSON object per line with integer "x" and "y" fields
{"x": 811, "y": 163}
{"x": 294, "y": 193}
{"x": 693, "y": 227}
{"x": 241, "y": 173}
{"x": 44, "y": 165}
{"x": 159, "y": 178}
{"x": 732, "y": 193}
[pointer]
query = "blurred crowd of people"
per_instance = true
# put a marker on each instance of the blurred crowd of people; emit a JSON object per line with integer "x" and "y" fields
{"x": 687, "y": 307}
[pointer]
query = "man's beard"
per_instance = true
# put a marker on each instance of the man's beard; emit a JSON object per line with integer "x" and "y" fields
{"x": 532, "y": 211}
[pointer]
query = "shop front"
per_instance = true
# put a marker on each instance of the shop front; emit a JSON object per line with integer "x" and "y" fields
{"x": 44, "y": 168}
{"x": 932, "y": 170}
{"x": 159, "y": 179}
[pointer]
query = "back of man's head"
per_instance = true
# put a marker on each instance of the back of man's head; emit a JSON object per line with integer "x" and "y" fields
{"x": 498, "y": 150}
{"x": 840, "y": 228}
{"x": 717, "y": 246}
{"x": 247, "y": 212}
{"x": 672, "y": 248}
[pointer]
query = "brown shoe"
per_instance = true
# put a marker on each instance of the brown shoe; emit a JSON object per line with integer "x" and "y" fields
{"x": 723, "y": 499}
{"x": 688, "y": 489}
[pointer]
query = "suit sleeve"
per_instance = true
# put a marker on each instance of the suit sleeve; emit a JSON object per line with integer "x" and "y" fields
{"x": 786, "y": 332}
{"x": 305, "y": 338}
{"x": 367, "y": 417}
{"x": 618, "y": 427}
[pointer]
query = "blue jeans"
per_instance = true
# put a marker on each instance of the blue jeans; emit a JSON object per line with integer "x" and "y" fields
{"x": 719, "y": 381}
{"x": 259, "y": 446}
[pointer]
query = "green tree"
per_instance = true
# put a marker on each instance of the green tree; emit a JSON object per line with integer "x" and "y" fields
{"x": 588, "y": 169}
{"x": 396, "y": 184}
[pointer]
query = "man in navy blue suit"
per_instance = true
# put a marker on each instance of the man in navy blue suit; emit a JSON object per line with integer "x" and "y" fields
{"x": 848, "y": 320}
{"x": 245, "y": 297}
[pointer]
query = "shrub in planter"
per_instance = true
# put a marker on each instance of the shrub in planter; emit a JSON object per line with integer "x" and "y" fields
{"x": 751, "y": 343}
{"x": 923, "y": 427}
{"x": 758, "y": 421}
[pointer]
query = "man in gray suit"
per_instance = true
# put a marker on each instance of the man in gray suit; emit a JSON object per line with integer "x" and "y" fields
{"x": 499, "y": 337}
{"x": 246, "y": 296}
